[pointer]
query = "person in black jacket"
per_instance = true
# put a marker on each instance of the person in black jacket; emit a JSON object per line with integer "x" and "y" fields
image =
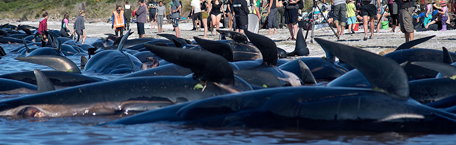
{"x": 240, "y": 9}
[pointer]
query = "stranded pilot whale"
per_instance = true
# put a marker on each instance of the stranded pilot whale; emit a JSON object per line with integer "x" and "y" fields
{"x": 212, "y": 76}
{"x": 386, "y": 107}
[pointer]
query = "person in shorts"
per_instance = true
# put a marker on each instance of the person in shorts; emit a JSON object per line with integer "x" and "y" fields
{"x": 152, "y": 6}
{"x": 141, "y": 17}
{"x": 291, "y": 18}
{"x": 340, "y": 15}
{"x": 241, "y": 10}
{"x": 394, "y": 13}
{"x": 161, "y": 10}
{"x": 405, "y": 18}
{"x": 175, "y": 16}
{"x": 196, "y": 14}
{"x": 204, "y": 16}
{"x": 351, "y": 15}
{"x": 369, "y": 13}
{"x": 79, "y": 26}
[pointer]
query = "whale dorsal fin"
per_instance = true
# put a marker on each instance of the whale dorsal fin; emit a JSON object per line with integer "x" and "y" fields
{"x": 301, "y": 46}
{"x": 412, "y": 43}
{"x": 266, "y": 46}
{"x": 206, "y": 66}
{"x": 306, "y": 73}
{"x": 43, "y": 82}
{"x": 179, "y": 42}
{"x": 383, "y": 73}
{"x": 447, "y": 70}
{"x": 59, "y": 63}
{"x": 235, "y": 36}
{"x": 123, "y": 40}
{"x": 447, "y": 56}
{"x": 83, "y": 62}
{"x": 216, "y": 47}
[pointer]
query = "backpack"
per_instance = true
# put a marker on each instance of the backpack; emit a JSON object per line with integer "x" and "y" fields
{"x": 301, "y": 4}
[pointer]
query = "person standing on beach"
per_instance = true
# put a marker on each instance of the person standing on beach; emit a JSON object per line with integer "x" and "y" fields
{"x": 141, "y": 17}
{"x": 152, "y": 5}
{"x": 216, "y": 14}
{"x": 272, "y": 17}
{"x": 405, "y": 18}
{"x": 241, "y": 10}
{"x": 351, "y": 16}
{"x": 369, "y": 13}
{"x": 204, "y": 16}
{"x": 79, "y": 26}
{"x": 175, "y": 16}
{"x": 42, "y": 28}
{"x": 340, "y": 15}
{"x": 64, "y": 28}
{"x": 127, "y": 15}
{"x": 291, "y": 18}
{"x": 118, "y": 21}
{"x": 161, "y": 10}
{"x": 196, "y": 14}
{"x": 393, "y": 8}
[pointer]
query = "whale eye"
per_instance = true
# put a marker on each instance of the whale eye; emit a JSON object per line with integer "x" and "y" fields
{"x": 28, "y": 112}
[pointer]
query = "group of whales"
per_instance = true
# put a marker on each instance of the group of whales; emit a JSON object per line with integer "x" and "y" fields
{"x": 243, "y": 83}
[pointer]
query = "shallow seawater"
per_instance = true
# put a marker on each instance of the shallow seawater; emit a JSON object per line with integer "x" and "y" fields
{"x": 84, "y": 130}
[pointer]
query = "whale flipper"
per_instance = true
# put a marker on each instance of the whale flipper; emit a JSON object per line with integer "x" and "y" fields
{"x": 59, "y": 63}
{"x": 390, "y": 78}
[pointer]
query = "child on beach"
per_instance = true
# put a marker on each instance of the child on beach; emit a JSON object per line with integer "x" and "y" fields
{"x": 161, "y": 10}
{"x": 443, "y": 15}
{"x": 351, "y": 14}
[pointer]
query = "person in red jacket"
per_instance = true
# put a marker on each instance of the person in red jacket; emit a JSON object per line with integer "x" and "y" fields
{"x": 42, "y": 28}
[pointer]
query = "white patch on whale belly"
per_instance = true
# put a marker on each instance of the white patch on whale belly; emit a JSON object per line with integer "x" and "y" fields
{"x": 402, "y": 116}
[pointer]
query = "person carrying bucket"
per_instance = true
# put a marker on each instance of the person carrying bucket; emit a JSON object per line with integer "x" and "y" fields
{"x": 118, "y": 21}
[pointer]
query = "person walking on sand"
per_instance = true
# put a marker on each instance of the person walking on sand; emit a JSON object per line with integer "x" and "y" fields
{"x": 340, "y": 15}
{"x": 369, "y": 13}
{"x": 64, "y": 28}
{"x": 79, "y": 26}
{"x": 196, "y": 14}
{"x": 405, "y": 18}
{"x": 216, "y": 14}
{"x": 161, "y": 10}
{"x": 127, "y": 15}
{"x": 141, "y": 17}
{"x": 204, "y": 16}
{"x": 393, "y": 8}
{"x": 351, "y": 16}
{"x": 175, "y": 16}
{"x": 118, "y": 21}
{"x": 42, "y": 28}
{"x": 152, "y": 5}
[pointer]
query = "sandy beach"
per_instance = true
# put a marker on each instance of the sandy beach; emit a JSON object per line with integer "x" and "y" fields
{"x": 380, "y": 42}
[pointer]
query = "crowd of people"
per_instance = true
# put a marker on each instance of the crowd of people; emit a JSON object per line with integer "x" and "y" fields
{"x": 273, "y": 14}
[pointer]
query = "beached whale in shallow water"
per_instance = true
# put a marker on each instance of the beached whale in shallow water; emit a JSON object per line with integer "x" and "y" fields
{"x": 384, "y": 108}
{"x": 213, "y": 75}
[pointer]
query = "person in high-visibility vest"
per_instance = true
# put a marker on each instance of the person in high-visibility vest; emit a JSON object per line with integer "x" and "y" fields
{"x": 118, "y": 20}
